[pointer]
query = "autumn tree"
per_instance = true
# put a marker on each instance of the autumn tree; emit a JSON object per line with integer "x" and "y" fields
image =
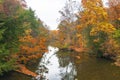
{"x": 31, "y": 47}
{"x": 10, "y": 30}
{"x": 95, "y": 25}
{"x": 113, "y": 10}
{"x": 114, "y": 15}
{"x": 33, "y": 41}
{"x": 20, "y": 30}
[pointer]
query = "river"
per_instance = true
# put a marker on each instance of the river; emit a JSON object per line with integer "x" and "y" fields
{"x": 63, "y": 65}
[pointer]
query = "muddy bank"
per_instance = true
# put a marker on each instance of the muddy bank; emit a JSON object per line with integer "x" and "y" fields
{"x": 76, "y": 49}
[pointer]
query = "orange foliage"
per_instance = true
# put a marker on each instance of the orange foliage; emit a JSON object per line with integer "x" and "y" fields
{"x": 114, "y": 9}
{"x": 31, "y": 47}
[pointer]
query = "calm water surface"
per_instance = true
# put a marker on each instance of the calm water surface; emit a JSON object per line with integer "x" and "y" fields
{"x": 63, "y": 65}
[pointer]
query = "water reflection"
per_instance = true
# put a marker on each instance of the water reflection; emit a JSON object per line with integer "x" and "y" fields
{"x": 55, "y": 67}
{"x": 63, "y": 65}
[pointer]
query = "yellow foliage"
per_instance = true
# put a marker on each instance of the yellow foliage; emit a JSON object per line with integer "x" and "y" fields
{"x": 103, "y": 26}
{"x": 28, "y": 31}
{"x": 118, "y": 18}
{"x": 96, "y": 40}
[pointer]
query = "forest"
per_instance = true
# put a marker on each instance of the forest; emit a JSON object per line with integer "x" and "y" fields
{"x": 94, "y": 29}
{"x": 22, "y": 35}
{"x": 89, "y": 28}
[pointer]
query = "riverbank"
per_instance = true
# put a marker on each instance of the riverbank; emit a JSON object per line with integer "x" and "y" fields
{"x": 78, "y": 49}
{"x": 85, "y": 50}
{"x": 22, "y": 71}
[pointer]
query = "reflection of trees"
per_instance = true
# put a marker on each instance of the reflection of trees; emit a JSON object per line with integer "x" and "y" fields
{"x": 70, "y": 72}
{"x": 68, "y": 69}
{"x": 64, "y": 61}
{"x": 42, "y": 70}
{"x": 64, "y": 58}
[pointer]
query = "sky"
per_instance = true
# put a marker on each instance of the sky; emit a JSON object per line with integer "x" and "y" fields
{"x": 47, "y": 10}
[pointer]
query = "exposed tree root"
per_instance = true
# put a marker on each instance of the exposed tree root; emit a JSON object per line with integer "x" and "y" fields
{"x": 22, "y": 69}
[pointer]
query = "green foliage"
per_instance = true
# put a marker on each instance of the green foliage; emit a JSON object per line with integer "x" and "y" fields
{"x": 117, "y": 35}
{"x": 14, "y": 21}
{"x": 1, "y": 1}
{"x": 7, "y": 66}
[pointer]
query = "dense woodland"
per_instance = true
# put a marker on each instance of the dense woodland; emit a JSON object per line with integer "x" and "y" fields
{"x": 22, "y": 35}
{"x": 93, "y": 28}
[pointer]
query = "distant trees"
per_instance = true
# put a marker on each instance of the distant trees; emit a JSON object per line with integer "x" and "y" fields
{"x": 67, "y": 25}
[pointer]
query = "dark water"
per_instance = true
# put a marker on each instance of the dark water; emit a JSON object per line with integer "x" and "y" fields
{"x": 63, "y": 65}
{"x": 15, "y": 76}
